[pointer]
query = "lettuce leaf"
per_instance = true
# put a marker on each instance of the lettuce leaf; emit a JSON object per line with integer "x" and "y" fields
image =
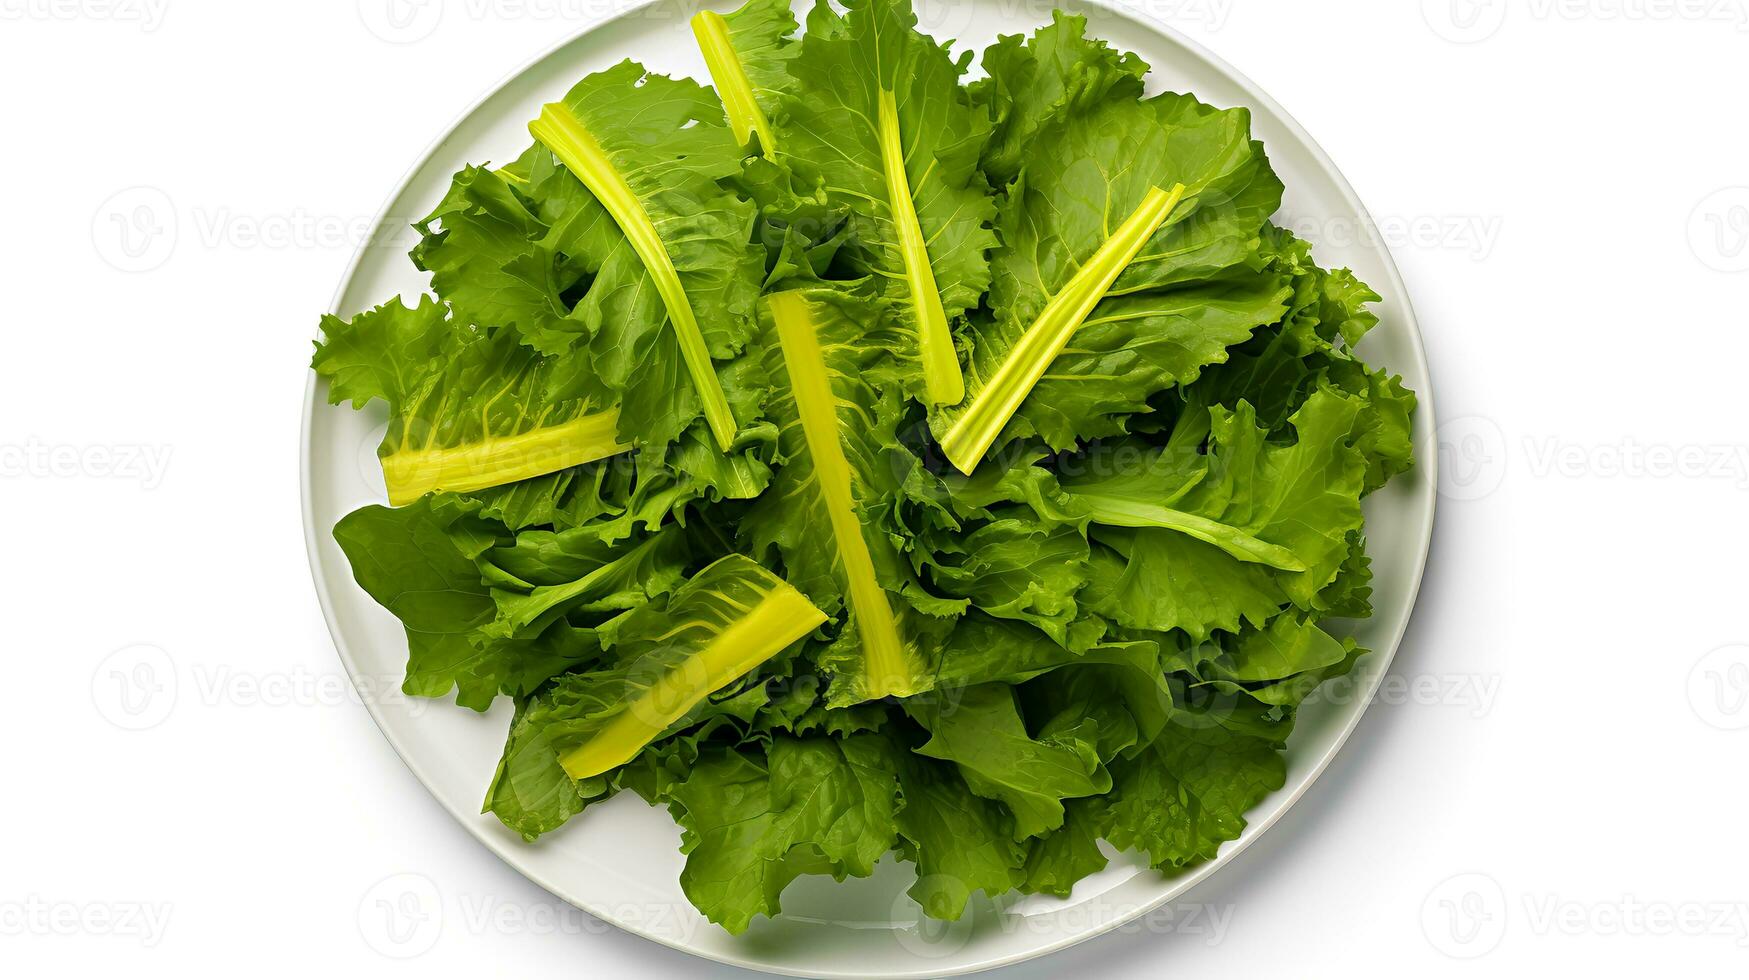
{"x": 1014, "y": 567}
{"x": 877, "y": 121}
{"x": 836, "y": 392}
{"x": 1056, "y": 861}
{"x": 962, "y": 843}
{"x": 753, "y": 824}
{"x": 1034, "y": 82}
{"x": 669, "y": 655}
{"x": 981, "y": 731}
{"x": 653, "y": 151}
{"x": 419, "y": 563}
{"x": 1184, "y": 797}
{"x": 672, "y": 664}
{"x": 1313, "y": 348}
{"x": 545, "y": 575}
{"x": 497, "y": 259}
{"x": 1122, "y": 273}
{"x": 1256, "y": 526}
{"x": 468, "y": 409}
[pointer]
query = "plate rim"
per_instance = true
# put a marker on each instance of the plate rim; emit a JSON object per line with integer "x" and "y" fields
{"x": 1426, "y": 465}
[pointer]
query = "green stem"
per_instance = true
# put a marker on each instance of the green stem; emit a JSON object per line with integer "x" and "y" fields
{"x": 546, "y": 598}
{"x": 1118, "y": 512}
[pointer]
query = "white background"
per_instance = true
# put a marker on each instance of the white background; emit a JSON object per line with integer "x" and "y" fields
{"x": 1555, "y": 781}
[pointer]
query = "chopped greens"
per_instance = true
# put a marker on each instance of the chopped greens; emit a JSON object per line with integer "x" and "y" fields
{"x": 864, "y": 464}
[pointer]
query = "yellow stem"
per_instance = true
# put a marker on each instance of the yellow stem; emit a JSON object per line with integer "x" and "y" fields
{"x": 942, "y": 381}
{"x": 781, "y": 618}
{"x": 559, "y": 130}
{"x": 972, "y": 434}
{"x": 497, "y": 460}
{"x": 883, "y": 651}
{"x": 733, "y": 87}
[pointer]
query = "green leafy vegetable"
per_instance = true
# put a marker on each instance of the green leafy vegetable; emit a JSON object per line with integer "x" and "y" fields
{"x": 724, "y": 622}
{"x": 831, "y": 411}
{"x": 1257, "y": 525}
{"x": 419, "y": 562}
{"x": 877, "y": 119}
{"x": 862, "y": 464}
{"x": 746, "y": 52}
{"x": 1184, "y": 797}
{"x": 652, "y": 150}
{"x": 468, "y": 409}
{"x": 1113, "y": 239}
{"x": 1037, "y": 81}
{"x": 753, "y": 824}
{"x": 980, "y": 729}
{"x": 1035, "y": 350}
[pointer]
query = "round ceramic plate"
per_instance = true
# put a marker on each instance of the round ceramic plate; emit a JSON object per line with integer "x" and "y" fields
{"x": 620, "y": 861}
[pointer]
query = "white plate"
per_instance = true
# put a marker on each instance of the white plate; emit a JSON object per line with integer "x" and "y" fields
{"x": 620, "y": 861}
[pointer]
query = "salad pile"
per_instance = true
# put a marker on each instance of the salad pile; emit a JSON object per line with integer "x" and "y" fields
{"x": 862, "y": 462}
